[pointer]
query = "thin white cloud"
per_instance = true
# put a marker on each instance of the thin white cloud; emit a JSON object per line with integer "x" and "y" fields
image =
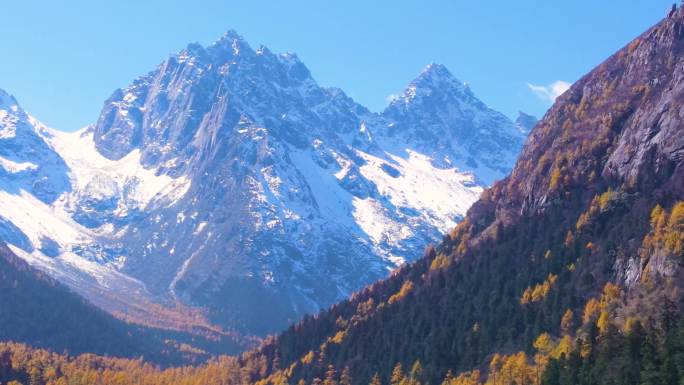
{"x": 550, "y": 92}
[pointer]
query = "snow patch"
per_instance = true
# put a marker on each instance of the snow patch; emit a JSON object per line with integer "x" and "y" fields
{"x": 373, "y": 219}
{"x": 14, "y": 167}
{"x": 38, "y": 220}
{"x": 200, "y": 227}
{"x": 99, "y": 176}
{"x": 440, "y": 195}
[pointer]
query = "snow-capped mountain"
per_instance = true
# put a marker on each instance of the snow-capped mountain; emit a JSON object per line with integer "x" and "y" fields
{"x": 228, "y": 179}
{"x": 26, "y": 161}
{"x": 441, "y": 117}
{"x": 39, "y": 174}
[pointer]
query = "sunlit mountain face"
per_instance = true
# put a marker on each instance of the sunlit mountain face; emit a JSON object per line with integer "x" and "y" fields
{"x": 227, "y": 179}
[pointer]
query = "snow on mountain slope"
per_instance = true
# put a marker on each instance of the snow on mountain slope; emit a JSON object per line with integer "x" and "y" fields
{"x": 32, "y": 221}
{"x": 87, "y": 165}
{"x": 403, "y": 181}
{"x": 440, "y": 116}
{"x": 21, "y": 148}
{"x": 118, "y": 188}
{"x": 16, "y": 168}
{"x": 36, "y": 221}
{"x": 32, "y": 176}
{"x": 227, "y": 179}
{"x": 40, "y": 222}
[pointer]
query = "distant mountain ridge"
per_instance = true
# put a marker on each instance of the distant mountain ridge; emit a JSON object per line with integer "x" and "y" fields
{"x": 526, "y": 122}
{"x": 227, "y": 179}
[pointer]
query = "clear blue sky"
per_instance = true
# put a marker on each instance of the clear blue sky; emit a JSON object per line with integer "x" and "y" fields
{"x": 62, "y": 59}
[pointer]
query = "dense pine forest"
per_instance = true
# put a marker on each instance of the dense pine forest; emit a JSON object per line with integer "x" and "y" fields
{"x": 600, "y": 351}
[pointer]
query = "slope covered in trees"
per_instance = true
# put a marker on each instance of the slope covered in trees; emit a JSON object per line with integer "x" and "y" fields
{"x": 34, "y": 309}
{"x": 603, "y": 350}
{"x": 568, "y": 271}
{"x": 594, "y": 198}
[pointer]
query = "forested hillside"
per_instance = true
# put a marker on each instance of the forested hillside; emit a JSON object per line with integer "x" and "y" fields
{"x": 35, "y": 309}
{"x": 636, "y": 354}
{"x": 595, "y": 198}
{"x": 569, "y": 271}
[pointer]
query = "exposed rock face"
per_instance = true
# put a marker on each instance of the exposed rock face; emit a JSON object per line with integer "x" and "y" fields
{"x": 228, "y": 179}
{"x": 619, "y": 127}
{"x": 629, "y": 107}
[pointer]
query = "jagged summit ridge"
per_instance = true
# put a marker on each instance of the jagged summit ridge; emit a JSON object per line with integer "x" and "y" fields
{"x": 442, "y": 116}
{"x": 438, "y": 76}
{"x": 6, "y": 100}
{"x": 227, "y": 179}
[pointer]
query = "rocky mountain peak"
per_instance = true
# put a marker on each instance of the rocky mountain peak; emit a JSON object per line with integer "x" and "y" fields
{"x": 26, "y": 161}
{"x": 7, "y": 101}
{"x": 231, "y": 35}
{"x": 436, "y": 75}
{"x": 276, "y": 197}
{"x": 434, "y": 82}
{"x": 443, "y": 116}
{"x": 231, "y": 44}
{"x": 525, "y": 122}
